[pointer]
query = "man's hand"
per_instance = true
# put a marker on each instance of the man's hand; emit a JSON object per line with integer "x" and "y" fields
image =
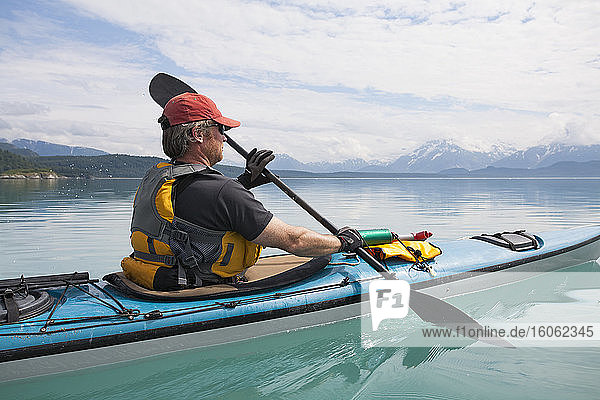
{"x": 255, "y": 164}
{"x": 350, "y": 238}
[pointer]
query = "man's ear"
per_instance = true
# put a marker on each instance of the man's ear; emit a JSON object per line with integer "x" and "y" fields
{"x": 197, "y": 133}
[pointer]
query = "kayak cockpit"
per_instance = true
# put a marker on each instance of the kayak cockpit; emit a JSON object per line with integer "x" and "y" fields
{"x": 268, "y": 273}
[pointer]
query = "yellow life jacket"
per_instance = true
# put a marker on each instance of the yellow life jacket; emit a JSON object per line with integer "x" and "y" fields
{"x": 162, "y": 241}
{"x": 410, "y": 250}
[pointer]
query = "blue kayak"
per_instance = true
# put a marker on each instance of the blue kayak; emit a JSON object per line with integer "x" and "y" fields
{"x": 59, "y": 323}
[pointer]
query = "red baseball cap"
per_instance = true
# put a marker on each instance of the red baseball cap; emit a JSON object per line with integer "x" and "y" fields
{"x": 190, "y": 107}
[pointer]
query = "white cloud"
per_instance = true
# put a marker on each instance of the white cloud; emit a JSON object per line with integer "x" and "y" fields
{"x": 333, "y": 80}
{"x": 17, "y": 108}
{"x": 4, "y": 125}
{"x": 573, "y": 129}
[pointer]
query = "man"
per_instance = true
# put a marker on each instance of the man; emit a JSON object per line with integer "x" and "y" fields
{"x": 193, "y": 226}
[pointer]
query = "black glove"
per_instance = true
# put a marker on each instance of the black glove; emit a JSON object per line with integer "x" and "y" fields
{"x": 350, "y": 238}
{"x": 255, "y": 164}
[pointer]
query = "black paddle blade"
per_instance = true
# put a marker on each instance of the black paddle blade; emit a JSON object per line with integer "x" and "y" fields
{"x": 438, "y": 312}
{"x": 163, "y": 87}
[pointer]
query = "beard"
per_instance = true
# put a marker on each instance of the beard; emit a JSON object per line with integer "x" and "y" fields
{"x": 214, "y": 151}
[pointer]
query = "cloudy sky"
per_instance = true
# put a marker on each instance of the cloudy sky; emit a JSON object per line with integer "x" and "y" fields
{"x": 317, "y": 80}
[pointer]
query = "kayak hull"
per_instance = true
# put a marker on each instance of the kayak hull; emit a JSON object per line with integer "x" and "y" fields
{"x": 77, "y": 360}
{"x": 465, "y": 266}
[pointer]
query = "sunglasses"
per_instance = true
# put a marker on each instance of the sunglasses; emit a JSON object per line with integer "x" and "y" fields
{"x": 220, "y": 126}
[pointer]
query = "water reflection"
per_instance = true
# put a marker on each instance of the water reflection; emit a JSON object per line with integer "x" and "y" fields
{"x": 64, "y": 225}
{"x": 36, "y": 192}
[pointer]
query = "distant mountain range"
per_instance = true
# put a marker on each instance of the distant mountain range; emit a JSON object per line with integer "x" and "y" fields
{"x": 572, "y": 169}
{"x": 441, "y": 155}
{"x": 435, "y": 157}
{"x": 544, "y": 156}
{"x": 41, "y": 148}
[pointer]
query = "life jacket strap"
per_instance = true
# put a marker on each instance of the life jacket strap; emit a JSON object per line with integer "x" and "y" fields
{"x": 181, "y": 276}
{"x": 161, "y": 258}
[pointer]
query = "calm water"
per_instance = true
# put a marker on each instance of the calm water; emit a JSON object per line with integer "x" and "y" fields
{"x": 82, "y": 225}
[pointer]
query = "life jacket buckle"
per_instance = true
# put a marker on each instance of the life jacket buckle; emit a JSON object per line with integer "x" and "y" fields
{"x": 180, "y": 236}
{"x": 238, "y": 279}
{"x": 190, "y": 262}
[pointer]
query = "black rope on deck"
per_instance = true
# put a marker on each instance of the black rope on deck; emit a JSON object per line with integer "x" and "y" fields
{"x": 119, "y": 308}
{"x": 158, "y": 314}
{"x": 49, "y": 319}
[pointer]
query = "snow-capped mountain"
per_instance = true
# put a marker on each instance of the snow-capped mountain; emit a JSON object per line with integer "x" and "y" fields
{"x": 438, "y": 155}
{"x": 284, "y": 161}
{"x": 546, "y": 155}
{"x": 501, "y": 150}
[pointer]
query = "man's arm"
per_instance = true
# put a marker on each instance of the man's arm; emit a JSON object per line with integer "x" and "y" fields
{"x": 297, "y": 240}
